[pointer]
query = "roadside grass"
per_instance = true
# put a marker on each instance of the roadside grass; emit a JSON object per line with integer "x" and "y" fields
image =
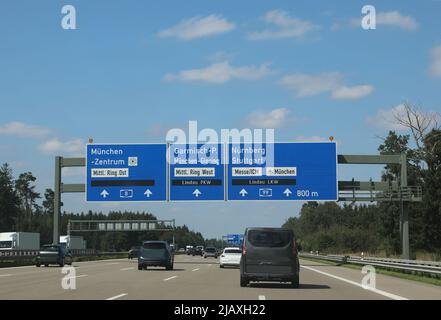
{"x": 30, "y": 262}
{"x": 408, "y": 276}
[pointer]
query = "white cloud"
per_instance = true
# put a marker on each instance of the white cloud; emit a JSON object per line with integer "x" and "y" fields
{"x": 435, "y": 67}
{"x": 24, "y": 130}
{"x": 393, "y": 19}
{"x": 54, "y": 145}
{"x": 221, "y": 72}
{"x": 396, "y": 19}
{"x": 287, "y": 27}
{"x": 354, "y": 92}
{"x": 304, "y": 85}
{"x": 386, "y": 118}
{"x": 274, "y": 119}
{"x": 198, "y": 27}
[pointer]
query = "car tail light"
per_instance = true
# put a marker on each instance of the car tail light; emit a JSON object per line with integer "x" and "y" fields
{"x": 244, "y": 248}
{"x": 294, "y": 247}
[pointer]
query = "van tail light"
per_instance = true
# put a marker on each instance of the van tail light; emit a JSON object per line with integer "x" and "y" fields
{"x": 244, "y": 248}
{"x": 294, "y": 247}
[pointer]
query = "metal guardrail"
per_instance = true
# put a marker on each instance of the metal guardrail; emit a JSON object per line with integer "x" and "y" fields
{"x": 401, "y": 265}
{"x": 30, "y": 254}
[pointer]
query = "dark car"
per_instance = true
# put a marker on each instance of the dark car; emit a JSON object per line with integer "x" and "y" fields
{"x": 269, "y": 254}
{"x": 155, "y": 254}
{"x": 134, "y": 252}
{"x": 198, "y": 251}
{"x": 210, "y": 252}
{"x": 53, "y": 254}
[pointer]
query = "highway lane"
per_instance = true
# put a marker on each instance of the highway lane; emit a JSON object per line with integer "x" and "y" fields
{"x": 198, "y": 278}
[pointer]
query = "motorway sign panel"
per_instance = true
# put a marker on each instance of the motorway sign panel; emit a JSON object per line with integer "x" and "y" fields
{"x": 126, "y": 172}
{"x": 196, "y": 172}
{"x": 235, "y": 239}
{"x": 303, "y": 171}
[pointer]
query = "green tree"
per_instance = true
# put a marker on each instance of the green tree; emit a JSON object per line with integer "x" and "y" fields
{"x": 9, "y": 201}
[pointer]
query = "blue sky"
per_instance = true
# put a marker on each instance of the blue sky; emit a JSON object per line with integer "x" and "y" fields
{"x": 134, "y": 69}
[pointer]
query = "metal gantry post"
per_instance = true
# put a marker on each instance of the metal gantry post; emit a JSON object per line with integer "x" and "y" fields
{"x": 404, "y": 216}
{"x": 57, "y": 201}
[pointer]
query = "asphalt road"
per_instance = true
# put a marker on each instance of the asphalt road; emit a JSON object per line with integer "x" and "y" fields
{"x": 198, "y": 278}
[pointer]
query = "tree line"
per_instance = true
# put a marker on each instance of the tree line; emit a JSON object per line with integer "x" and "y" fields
{"x": 20, "y": 210}
{"x": 375, "y": 228}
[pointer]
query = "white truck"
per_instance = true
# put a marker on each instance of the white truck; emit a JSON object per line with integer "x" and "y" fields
{"x": 19, "y": 241}
{"x": 73, "y": 242}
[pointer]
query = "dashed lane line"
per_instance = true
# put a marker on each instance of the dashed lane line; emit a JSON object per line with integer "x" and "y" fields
{"x": 117, "y": 297}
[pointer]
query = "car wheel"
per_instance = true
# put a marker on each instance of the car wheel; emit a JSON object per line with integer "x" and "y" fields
{"x": 139, "y": 267}
{"x": 296, "y": 283}
{"x": 46, "y": 265}
{"x": 243, "y": 282}
{"x": 169, "y": 267}
{"x": 38, "y": 265}
{"x": 221, "y": 266}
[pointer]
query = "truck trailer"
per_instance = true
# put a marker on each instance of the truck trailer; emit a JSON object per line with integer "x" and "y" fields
{"x": 19, "y": 241}
{"x": 73, "y": 242}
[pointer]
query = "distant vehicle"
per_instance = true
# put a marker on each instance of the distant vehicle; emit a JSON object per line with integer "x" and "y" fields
{"x": 73, "y": 242}
{"x": 198, "y": 251}
{"x": 134, "y": 252}
{"x": 188, "y": 249}
{"x": 210, "y": 252}
{"x": 53, "y": 254}
{"x": 230, "y": 257}
{"x": 19, "y": 241}
{"x": 155, "y": 254}
{"x": 269, "y": 254}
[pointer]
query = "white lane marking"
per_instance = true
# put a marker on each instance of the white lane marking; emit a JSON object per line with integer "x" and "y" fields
{"x": 117, "y": 297}
{"x": 125, "y": 269}
{"x": 170, "y": 278}
{"x": 5, "y": 275}
{"x": 262, "y": 298}
{"x": 80, "y": 276}
{"x": 381, "y": 292}
{"x": 7, "y": 268}
{"x": 195, "y": 269}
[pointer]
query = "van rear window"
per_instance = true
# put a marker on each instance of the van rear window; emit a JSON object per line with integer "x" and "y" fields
{"x": 272, "y": 239}
{"x": 154, "y": 245}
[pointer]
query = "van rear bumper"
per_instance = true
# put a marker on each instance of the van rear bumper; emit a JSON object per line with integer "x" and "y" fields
{"x": 269, "y": 276}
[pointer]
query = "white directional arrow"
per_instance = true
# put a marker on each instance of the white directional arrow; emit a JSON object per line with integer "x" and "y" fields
{"x": 287, "y": 192}
{"x": 148, "y": 193}
{"x": 104, "y": 193}
{"x": 197, "y": 193}
{"x": 243, "y": 192}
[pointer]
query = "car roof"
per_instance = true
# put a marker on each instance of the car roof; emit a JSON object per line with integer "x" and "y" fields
{"x": 267, "y": 229}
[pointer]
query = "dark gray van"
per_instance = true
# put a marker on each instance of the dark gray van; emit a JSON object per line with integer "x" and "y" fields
{"x": 269, "y": 254}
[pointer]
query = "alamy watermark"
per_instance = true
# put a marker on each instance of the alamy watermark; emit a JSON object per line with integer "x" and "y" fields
{"x": 69, "y": 20}
{"x": 369, "y": 281}
{"x": 249, "y": 146}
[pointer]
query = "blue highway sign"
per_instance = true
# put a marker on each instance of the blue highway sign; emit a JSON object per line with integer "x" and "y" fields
{"x": 196, "y": 172}
{"x": 235, "y": 239}
{"x": 126, "y": 172}
{"x": 305, "y": 171}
